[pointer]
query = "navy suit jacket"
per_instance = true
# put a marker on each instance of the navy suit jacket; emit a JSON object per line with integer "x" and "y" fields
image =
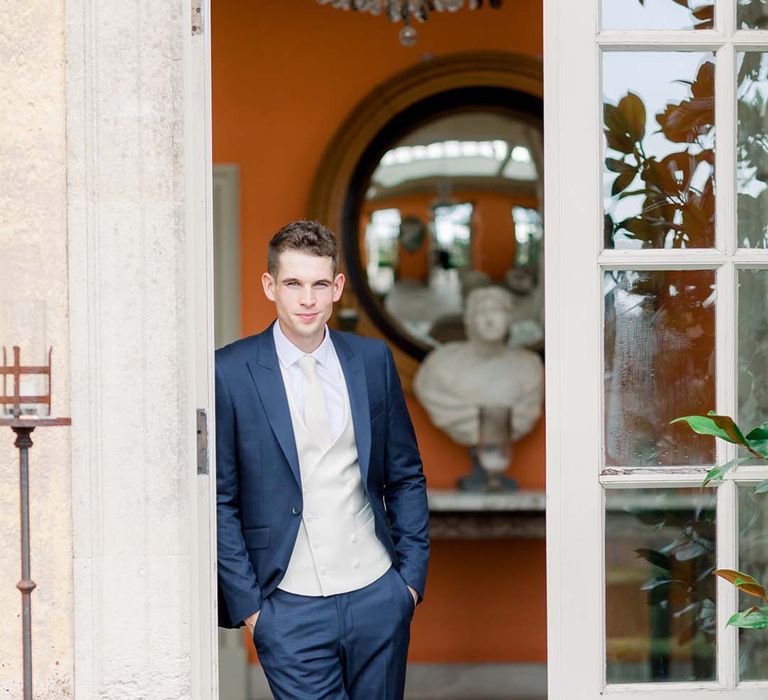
{"x": 259, "y": 496}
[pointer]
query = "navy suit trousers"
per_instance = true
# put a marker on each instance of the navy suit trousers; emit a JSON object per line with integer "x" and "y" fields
{"x": 350, "y": 646}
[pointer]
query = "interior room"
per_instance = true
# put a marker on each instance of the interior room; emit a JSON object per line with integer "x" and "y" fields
{"x": 426, "y": 160}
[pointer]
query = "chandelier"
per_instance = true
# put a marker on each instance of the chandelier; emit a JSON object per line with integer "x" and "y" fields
{"x": 407, "y": 10}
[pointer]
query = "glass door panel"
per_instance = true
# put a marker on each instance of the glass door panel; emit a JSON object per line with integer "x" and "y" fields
{"x": 753, "y": 559}
{"x": 752, "y": 148}
{"x": 659, "y": 364}
{"x": 659, "y": 130}
{"x": 657, "y": 14}
{"x": 659, "y": 589}
{"x": 751, "y": 14}
{"x": 657, "y": 303}
{"x": 753, "y": 347}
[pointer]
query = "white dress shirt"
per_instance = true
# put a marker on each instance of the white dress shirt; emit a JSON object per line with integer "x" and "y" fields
{"x": 328, "y": 369}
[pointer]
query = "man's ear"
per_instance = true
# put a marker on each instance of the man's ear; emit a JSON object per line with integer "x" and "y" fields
{"x": 269, "y": 285}
{"x": 338, "y": 286}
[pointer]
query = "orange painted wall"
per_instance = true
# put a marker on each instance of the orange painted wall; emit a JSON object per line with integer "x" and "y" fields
{"x": 285, "y": 74}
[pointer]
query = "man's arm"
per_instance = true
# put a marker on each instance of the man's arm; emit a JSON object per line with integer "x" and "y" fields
{"x": 405, "y": 493}
{"x": 237, "y": 579}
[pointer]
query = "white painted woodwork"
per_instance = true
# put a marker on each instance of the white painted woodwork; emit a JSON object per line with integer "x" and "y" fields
{"x": 574, "y": 315}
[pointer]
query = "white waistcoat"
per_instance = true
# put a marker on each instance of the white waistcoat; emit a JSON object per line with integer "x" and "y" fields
{"x": 336, "y": 549}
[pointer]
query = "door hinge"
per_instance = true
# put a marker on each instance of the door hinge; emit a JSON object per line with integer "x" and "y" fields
{"x": 202, "y": 441}
{"x": 197, "y": 17}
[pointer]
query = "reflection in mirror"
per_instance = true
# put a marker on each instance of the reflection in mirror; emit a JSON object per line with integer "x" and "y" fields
{"x": 455, "y": 205}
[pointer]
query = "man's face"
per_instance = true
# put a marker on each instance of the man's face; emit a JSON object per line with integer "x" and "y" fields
{"x": 304, "y": 293}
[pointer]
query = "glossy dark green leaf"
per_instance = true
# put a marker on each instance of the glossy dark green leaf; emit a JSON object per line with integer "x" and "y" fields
{"x": 758, "y": 433}
{"x": 716, "y": 425}
{"x": 717, "y": 473}
{"x": 753, "y": 618}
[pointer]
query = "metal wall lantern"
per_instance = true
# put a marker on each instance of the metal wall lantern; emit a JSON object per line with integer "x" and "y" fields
{"x": 23, "y": 413}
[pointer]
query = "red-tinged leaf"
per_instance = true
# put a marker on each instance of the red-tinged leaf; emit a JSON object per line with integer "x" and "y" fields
{"x": 687, "y": 121}
{"x": 617, "y": 166}
{"x": 704, "y": 84}
{"x": 616, "y": 130}
{"x": 727, "y": 424}
{"x": 623, "y": 181}
{"x": 706, "y": 15}
{"x": 753, "y": 589}
{"x": 640, "y": 228}
{"x": 632, "y": 110}
{"x": 731, "y": 575}
{"x": 716, "y": 425}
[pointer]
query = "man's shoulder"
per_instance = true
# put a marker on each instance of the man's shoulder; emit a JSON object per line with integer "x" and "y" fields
{"x": 240, "y": 350}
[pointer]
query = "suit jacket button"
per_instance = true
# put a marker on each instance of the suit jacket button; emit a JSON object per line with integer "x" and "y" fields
{"x": 296, "y": 510}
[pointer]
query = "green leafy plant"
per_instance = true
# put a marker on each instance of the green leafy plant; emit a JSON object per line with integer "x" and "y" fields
{"x": 755, "y": 442}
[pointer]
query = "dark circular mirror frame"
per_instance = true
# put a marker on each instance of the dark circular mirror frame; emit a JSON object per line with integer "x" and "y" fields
{"x": 503, "y": 83}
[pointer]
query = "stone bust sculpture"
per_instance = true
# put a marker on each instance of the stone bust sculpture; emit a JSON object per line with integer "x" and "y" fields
{"x": 457, "y": 378}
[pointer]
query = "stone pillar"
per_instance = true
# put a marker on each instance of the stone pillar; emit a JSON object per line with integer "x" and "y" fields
{"x": 132, "y": 349}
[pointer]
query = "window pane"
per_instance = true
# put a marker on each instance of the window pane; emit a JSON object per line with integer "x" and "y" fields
{"x": 659, "y": 364}
{"x": 752, "y": 149}
{"x": 657, "y": 14}
{"x": 753, "y": 560}
{"x": 753, "y": 347}
{"x": 658, "y": 168}
{"x": 660, "y": 592}
{"x": 752, "y": 14}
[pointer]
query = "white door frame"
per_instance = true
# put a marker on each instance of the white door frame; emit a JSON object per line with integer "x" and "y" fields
{"x": 574, "y": 316}
{"x": 199, "y": 224}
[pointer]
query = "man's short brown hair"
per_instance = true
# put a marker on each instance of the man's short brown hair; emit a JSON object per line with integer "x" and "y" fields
{"x": 304, "y": 235}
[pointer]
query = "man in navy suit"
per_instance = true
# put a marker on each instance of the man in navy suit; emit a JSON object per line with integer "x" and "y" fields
{"x": 322, "y": 509}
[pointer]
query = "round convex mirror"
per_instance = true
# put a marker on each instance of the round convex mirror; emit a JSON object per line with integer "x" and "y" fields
{"x": 449, "y": 201}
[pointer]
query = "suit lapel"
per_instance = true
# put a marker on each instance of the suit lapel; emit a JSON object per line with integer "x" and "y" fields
{"x": 357, "y": 388}
{"x": 265, "y": 371}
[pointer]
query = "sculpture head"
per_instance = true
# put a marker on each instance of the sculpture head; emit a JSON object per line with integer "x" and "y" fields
{"x": 488, "y": 314}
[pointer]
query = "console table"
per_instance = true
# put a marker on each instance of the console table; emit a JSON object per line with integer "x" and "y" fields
{"x": 468, "y": 515}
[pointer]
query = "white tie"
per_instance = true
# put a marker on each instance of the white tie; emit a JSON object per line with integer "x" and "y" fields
{"x": 315, "y": 411}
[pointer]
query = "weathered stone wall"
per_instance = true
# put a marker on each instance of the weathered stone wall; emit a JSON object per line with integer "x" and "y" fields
{"x": 33, "y": 266}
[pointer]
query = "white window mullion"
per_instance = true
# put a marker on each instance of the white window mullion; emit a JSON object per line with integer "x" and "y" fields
{"x": 727, "y": 595}
{"x": 726, "y": 351}
{"x": 663, "y": 40}
{"x": 725, "y": 151}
